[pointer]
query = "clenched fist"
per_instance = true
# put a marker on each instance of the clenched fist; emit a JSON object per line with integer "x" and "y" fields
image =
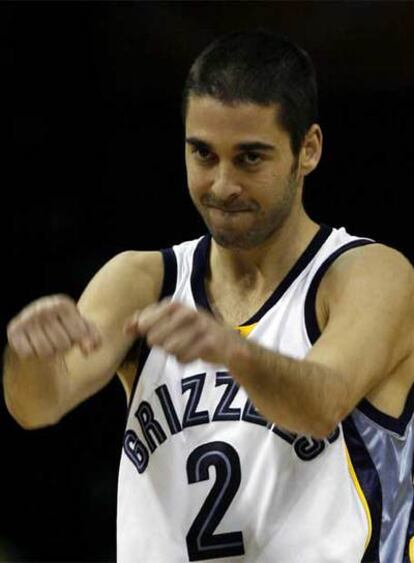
{"x": 50, "y": 326}
{"x": 185, "y": 333}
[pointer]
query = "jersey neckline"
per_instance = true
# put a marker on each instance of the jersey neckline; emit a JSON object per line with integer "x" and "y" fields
{"x": 200, "y": 261}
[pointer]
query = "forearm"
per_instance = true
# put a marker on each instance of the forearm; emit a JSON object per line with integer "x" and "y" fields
{"x": 34, "y": 389}
{"x": 299, "y": 395}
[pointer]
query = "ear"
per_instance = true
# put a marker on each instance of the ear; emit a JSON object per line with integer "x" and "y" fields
{"x": 311, "y": 151}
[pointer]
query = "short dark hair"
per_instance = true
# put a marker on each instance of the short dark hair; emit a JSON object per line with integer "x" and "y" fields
{"x": 259, "y": 67}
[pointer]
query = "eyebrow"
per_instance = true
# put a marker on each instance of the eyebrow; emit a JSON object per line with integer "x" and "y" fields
{"x": 245, "y": 146}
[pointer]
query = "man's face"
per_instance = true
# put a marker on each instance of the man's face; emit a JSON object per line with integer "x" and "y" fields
{"x": 241, "y": 171}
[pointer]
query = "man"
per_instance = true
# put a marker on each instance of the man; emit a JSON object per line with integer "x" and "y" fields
{"x": 289, "y": 439}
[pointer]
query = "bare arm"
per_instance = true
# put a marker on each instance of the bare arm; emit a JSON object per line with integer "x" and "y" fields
{"x": 368, "y": 304}
{"x": 368, "y": 300}
{"x": 60, "y": 353}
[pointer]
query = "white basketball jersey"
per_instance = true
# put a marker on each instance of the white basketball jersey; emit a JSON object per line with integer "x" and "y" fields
{"x": 204, "y": 477}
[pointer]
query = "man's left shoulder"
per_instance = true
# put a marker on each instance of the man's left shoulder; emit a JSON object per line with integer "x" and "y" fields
{"x": 371, "y": 286}
{"x": 373, "y": 265}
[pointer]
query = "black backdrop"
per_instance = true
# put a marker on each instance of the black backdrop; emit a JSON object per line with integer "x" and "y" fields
{"x": 92, "y": 164}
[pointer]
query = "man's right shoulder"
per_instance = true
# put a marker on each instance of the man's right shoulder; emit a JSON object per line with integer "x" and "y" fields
{"x": 138, "y": 264}
{"x": 140, "y": 271}
{"x": 131, "y": 278}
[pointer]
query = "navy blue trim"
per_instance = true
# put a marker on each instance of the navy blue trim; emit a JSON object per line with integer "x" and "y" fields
{"x": 170, "y": 272}
{"x": 168, "y": 288}
{"x": 200, "y": 262}
{"x": 201, "y": 259}
{"x": 311, "y": 321}
{"x": 370, "y": 483}
{"x": 388, "y": 422}
{"x": 143, "y": 356}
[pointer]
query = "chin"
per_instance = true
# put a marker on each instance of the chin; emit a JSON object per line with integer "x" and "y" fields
{"x": 241, "y": 241}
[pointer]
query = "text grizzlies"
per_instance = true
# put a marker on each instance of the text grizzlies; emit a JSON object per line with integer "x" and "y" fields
{"x": 154, "y": 433}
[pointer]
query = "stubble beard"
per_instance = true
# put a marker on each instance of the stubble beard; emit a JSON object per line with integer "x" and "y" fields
{"x": 265, "y": 225}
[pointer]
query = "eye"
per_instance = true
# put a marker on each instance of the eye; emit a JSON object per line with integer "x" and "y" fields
{"x": 202, "y": 154}
{"x": 250, "y": 158}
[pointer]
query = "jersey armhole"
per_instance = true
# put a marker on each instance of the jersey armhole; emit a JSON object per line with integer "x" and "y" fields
{"x": 397, "y": 425}
{"x": 170, "y": 273}
{"x": 167, "y": 290}
{"x": 311, "y": 321}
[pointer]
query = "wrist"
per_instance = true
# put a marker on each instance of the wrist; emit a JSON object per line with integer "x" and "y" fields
{"x": 239, "y": 356}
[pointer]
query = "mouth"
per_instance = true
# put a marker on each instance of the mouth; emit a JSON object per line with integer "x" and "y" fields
{"x": 228, "y": 211}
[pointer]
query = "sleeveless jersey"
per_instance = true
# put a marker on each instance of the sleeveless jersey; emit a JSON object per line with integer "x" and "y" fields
{"x": 204, "y": 477}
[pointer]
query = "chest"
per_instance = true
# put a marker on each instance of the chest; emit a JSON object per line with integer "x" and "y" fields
{"x": 235, "y": 306}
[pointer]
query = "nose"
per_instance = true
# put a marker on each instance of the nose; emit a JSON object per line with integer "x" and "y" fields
{"x": 225, "y": 184}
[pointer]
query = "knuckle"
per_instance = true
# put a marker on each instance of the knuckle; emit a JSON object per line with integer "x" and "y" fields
{"x": 62, "y": 297}
{"x": 18, "y": 324}
{"x": 13, "y": 335}
{"x": 39, "y": 308}
{"x": 56, "y": 304}
{"x": 14, "y": 343}
{"x": 60, "y": 306}
{"x": 12, "y": 329}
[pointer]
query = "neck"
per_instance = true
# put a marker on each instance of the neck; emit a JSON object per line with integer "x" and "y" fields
{"x": 266, "y": 263}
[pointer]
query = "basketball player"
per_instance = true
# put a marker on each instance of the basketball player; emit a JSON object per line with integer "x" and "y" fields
{"x": 270, "y": 411}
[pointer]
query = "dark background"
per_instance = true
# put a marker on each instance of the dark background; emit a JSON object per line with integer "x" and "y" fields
{"x": 92, "y": 164}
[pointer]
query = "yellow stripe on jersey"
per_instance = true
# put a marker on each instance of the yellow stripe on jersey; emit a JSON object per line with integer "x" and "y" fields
{"x": 411, "y": 550}
{"x": 361, "y": 496}
{"x": 246, "y": 329}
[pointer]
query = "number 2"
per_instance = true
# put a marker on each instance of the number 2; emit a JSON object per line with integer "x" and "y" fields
{"x": 202, "y": 543}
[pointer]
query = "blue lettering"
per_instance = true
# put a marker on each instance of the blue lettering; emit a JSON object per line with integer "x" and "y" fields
{"x": 195, "y": 385}
{"x": 136, "y": 451}
{"x": 223, "y": 410}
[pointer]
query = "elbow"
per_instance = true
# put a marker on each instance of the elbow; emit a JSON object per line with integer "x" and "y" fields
{"x": 31, "y": 420}
{"x": 324, "y": 425}
{"x": 317, "y": 425}
{"x": 322, "y": 430}
{"x": 35, "y": 424}
{"x": 329, "y": 412}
